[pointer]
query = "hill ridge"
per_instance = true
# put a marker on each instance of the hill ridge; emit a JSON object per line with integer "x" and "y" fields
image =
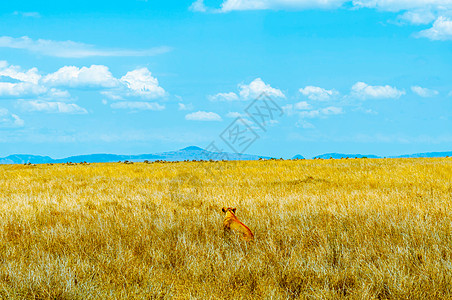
{"x": 187, "y": 153}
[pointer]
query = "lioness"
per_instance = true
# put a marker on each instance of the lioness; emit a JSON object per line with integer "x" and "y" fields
{"x": 232, "y": 223}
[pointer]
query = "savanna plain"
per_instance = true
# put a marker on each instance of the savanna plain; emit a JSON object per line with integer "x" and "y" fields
{"x": 324, "y": 229}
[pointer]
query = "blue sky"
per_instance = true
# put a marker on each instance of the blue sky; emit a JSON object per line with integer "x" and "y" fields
{"x": 131, "y": 77}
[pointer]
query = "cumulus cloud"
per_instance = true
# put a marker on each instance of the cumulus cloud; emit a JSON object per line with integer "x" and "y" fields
{"x": 318, "y": 93}
{"x": 51, "y": 107}
{"x": 10, "y": 120}
{"x": 424, "y": 92}
{"x": 364, "y": 91}
{"x": 137, "y": 83}
{"x": 72, "y": 49}
{"x": 231, "y": 96}
{"x": 440, "y": 31}
{"x": 28, "y": 84}
{"x": 137, "y": 105}
{"x": 249, "y": 92}
{"x": 140, "y": 82}
{"x": 256, "y": 88}
{"x": 16, "y": 72}
{"x": 71, "y": 76}
{"x": 203, "y": 116}
{"x": 20, "y": 89}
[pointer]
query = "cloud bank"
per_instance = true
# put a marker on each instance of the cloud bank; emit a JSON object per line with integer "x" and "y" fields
{"x": 415, "y": 12}
{"x": 51, "y": 91}
{"x": 70, "y": 49}
{"x": 364, "y": 91}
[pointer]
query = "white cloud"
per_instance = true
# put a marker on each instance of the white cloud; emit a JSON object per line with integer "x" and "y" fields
{"x": 71, "y": 76}
{"x": 382, "y": 5}
{"x": 28, "y": 85}
{"x": 16, "y": 72}
{"x": 331, "y": 110}
{"x": 304, "y": 110}
{"x": 399, "y": 5}
{"x": 304, "y": 124}
{"x": 140, "y": 82}
{"x": 20, "y": 89}
{"x": 198, "y": 6}
{"x": 424, "y": 92}
{"x": 72, "y": 49}
{"x": 231, "y": 5}
{"x": 27, "y": 90}
{"x": 309, "y": 114}
{"x": 364, "y": 91}
{"x": 223, "y": 97}
{"x": 440, "y": 31}
{"x": 291, "y": 109}
{"x": 56, "y": 94}
{"x": 203, "y": 116}
{"x": 256, "y": 88}
{"x": 418, "y": 17}
{"x": 318, "y": 93}
{"x": 413, "y": 11}
{"x": 234, "y": 114}
{"x": 137, "y": 105}
{"x": 9, "y": 120}
{"x": 302, "y": 105}
{"x": 137, "y": 83}
{"x": 249, "y": 92}
{"x": 322, "y": 112}
{"x": 51, "y": 107}
{"x": 183, "y": 106}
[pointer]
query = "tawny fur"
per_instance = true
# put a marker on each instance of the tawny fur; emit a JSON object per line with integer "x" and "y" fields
{"x": 232, "y": 223}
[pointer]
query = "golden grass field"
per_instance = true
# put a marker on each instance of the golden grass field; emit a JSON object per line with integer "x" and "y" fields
{"x": 324, "y": 229}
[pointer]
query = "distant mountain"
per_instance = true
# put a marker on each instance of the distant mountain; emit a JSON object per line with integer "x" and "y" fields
{"x": 340, "y": 155}
{"x": 426, "y": 154}
{"x": 104, "y": 158}
{"x": 196, "y": 153}
{"x": 24, "y": 158}
{"x": 188, "y": 153}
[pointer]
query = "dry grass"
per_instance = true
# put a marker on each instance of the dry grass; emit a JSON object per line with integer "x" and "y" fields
{"x": 325, "y": 229}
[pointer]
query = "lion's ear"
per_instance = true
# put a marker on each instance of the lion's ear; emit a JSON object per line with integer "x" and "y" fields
{"x": 224, "y": 209}
{"x": 234, "y": 209}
